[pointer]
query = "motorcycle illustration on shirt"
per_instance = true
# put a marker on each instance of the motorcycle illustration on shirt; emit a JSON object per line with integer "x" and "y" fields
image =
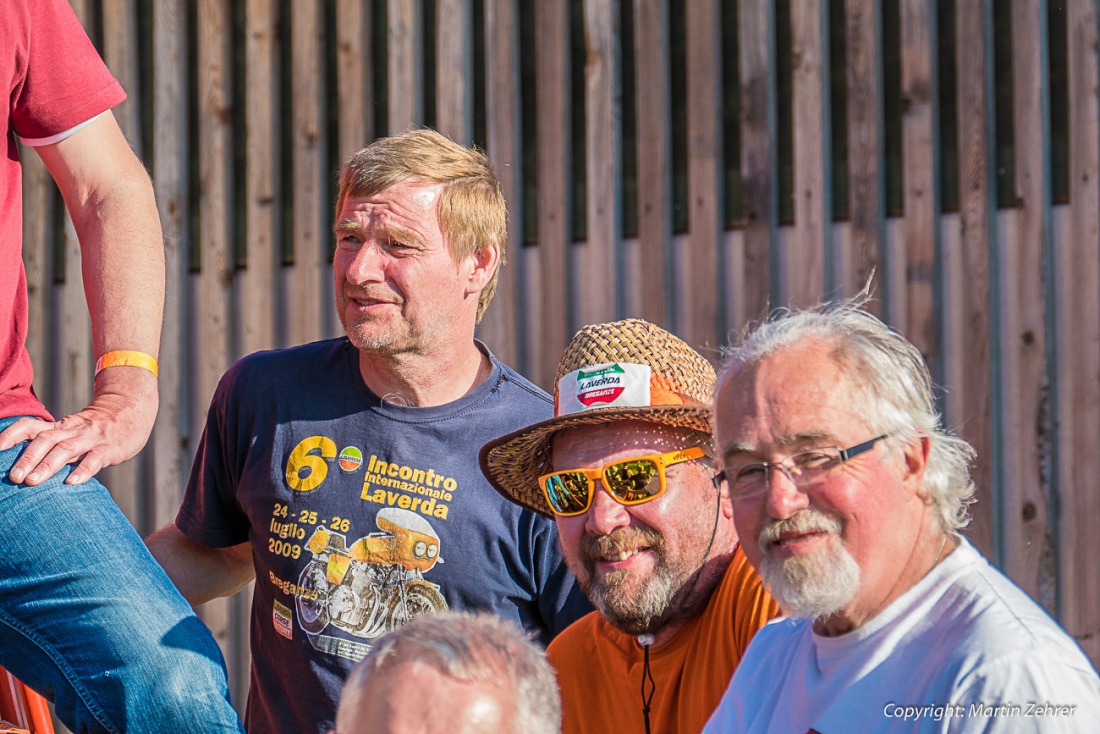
{"x": 377, "y": 584}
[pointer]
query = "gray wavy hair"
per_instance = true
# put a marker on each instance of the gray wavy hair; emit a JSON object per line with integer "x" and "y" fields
{"x": 893, "y": 381}
{"x": 470, "y": 648}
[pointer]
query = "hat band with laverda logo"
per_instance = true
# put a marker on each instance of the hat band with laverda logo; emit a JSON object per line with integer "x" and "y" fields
{"x": 610, "y": 385}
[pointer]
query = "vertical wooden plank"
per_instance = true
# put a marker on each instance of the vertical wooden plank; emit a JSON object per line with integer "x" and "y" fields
{"x": 405, "y": 75}
{"x": 916, "y": 316}
{"x": 1077, "y": 285}
{"x": 866, "y": 162}
{"x": 651, "y": 63}
{"x": 701, "y": 326}
{"x": 733, "y": 242}
{"x": 597, "y": 258}
{"x": 499, "y": 327}
{"x": 304, "y": 277}
{"x": 977, "y": 206}
{"x": 956, "y": 341}
{"x": 1023, "y": 342}
{"x": 803, "y": 265}
{"x": 756, "y": 45}
{"x": 550, "y": 311}
{"x": 454, "y": 70}
{"x": 353, "y": 88}
{"x": 254, "y": 309}
{"x": 170, "y": 175}
{"x": 210, "y": 303}
{"x": 209, "y": 338}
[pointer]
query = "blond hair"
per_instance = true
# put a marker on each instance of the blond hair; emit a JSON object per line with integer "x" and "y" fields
{"x": 472, "y": 211}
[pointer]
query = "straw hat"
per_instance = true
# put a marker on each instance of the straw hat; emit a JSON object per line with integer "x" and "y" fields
{"x": 625, "y": 370}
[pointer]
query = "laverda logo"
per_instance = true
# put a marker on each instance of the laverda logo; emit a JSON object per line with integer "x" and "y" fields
{"x": 607, "y": 385}
{"x": 600, "y": 386}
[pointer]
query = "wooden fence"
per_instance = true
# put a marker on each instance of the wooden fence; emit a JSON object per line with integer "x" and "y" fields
{"x": 692, "y": 162}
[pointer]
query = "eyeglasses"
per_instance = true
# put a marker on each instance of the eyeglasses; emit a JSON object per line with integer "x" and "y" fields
{"x": 805, "y": 468}
{"x": 629, "y": 482}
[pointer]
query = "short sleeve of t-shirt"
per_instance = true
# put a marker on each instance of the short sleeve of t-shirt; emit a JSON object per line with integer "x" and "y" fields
{"x": 59, "y": 80}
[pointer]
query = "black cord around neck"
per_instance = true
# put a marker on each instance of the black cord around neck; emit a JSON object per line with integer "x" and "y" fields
{"x": 646, "y": 640}
{"x": 647, "y": 676}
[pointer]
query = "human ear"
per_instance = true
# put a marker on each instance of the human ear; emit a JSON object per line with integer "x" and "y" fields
{"x": 915, "y": 460}
{"x": 484, "y": 263}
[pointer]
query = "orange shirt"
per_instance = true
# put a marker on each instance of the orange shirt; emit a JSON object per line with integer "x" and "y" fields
{"x": 600, "y": 668}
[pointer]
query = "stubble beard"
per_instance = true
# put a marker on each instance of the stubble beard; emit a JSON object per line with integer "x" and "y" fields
{"x": 371, "y": 337}
{"x": 813, "y": 586}
{"x": 634, "y": 605}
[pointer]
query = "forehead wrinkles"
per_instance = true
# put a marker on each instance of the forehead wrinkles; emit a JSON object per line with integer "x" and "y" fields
{"x": 788, "y": 400}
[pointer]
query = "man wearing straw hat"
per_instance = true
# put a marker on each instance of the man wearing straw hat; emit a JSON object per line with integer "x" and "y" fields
{"x": 343, "y": 474}
{"x": 625, "y": 468}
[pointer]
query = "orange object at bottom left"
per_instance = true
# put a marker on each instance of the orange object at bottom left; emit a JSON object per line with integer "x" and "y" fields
{"x": 22, "y": 711}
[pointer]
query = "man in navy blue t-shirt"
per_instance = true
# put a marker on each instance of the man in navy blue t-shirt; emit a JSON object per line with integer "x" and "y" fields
{"x": 343, "y": 476}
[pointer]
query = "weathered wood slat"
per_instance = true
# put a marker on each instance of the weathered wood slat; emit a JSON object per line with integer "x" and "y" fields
{"x": 866, "y": 163}
{"x": 921, "y": 199}
{"x": 1077, "y": 278}
{"x": 756, "y": 46}
{"x": 701, "y": 326}
{"x": 803, "y": 266}
{"x": 598, "y": 257}
{"x": 310, "y": 269}
{"x": 971, "y": 318}
{"x": 405, "y": 77}
{"x": 550, "y": 307}
{"x": 353, "y": 88}
{"x": 210, "y": 287}
{"x": 454, "y": 70}
{"x": 651, "y": 62}
{"x": 170, "y": 174}
{"x": 499, "y": 327}
{"x": 254, "y": 309}
{"x": 208, "y": 347}
{"x": 1025, "y": 512}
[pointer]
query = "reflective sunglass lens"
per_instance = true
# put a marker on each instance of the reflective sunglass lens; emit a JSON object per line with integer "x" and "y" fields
{"x": 634, "y": 481}
{"x": 567, "y": 492}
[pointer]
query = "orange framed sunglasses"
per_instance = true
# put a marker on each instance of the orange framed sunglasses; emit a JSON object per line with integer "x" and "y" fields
{"x": 631, "y": 481}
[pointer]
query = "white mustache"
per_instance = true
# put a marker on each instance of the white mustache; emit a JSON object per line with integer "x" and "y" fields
{"x": 804, "y": 521}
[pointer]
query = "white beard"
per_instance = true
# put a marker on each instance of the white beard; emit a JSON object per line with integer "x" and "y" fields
{"x": 812, "y": 586}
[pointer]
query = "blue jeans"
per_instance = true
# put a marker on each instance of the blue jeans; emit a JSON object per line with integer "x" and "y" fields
{"x": 90, "y": 620}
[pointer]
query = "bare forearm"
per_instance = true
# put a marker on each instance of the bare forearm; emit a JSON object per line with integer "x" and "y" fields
{"x": 110, "y": 199}
{"x": 123, "y": 268}
{"x": 201, "y": 573}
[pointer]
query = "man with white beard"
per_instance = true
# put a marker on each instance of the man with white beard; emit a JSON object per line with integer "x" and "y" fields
{"x": 625, "y": 468}
{"x": 850, "y": 497}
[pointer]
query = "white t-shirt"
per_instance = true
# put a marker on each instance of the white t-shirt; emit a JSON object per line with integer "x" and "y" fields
{"x": 964, "y": 650}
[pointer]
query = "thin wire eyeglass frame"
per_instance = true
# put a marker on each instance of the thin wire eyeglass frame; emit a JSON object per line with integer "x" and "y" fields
{"x": 804, "y": 478}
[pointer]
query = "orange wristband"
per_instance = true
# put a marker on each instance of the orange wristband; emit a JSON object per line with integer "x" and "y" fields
{"x": 127, "y": 358}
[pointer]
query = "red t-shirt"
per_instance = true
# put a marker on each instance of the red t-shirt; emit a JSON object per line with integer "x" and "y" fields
{"x": 56, "y": 81}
